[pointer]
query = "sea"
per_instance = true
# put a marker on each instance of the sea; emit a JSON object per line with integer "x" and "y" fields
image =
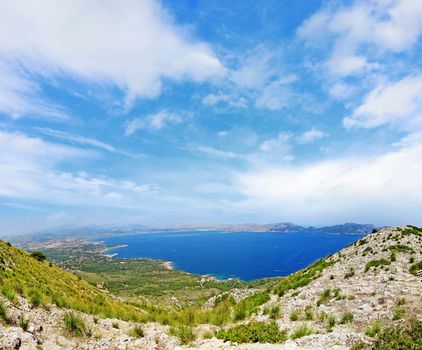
{"x": 242, "y": 255}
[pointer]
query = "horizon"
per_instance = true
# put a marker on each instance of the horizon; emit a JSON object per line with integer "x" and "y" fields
{"x": 206, "y": 113}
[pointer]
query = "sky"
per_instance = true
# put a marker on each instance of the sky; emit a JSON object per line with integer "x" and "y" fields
{"x": 193, "y": 111}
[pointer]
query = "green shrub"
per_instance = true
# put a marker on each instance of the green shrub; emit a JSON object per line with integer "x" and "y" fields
{"x": 249, "y": 305}
{"x": 302, "y": 331}
{"x": 273, "y": 312}
{"x": 73, "y": 324}
{"x": 324, "y": 297}
{"x": 40, "y": 256}
{"x": 309, "y": 314}
{"x": 8, "y": 291}
{"x": 400, "y": 338}
{"x": 347, "y": 317}
{"x": 400, "y": 248}
{"x": 184, "y": 333}
{"x": 254, "y": 332}
{"x": 373, "y": 329}
{"x": 376, "y": 263}
{"x": 415, "y": 268}
{"x": 137, "y": 332}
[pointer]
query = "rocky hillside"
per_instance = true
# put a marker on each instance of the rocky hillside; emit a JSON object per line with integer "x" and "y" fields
{"x": 367, "y": 296}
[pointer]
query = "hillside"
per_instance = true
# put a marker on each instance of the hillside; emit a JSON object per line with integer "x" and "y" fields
{"x": 367, "y": 296}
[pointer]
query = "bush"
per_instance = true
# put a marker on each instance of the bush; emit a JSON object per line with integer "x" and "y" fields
{"x": 35, "y": 297}
{"x": 74, "y": 324}
{"x": 249, "y": 305}
{"x": 137, "y": 332}
{"x": 273, "y": 312}
{"x": 254, "y": 332}
{"x": 302, "y": 331}
{"x": 40, "y": 256}
{"x": 184, "y": 333}
{"x": 324, "y": 297}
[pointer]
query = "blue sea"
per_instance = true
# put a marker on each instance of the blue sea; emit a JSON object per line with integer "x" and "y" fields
{"x": 243, "y": 255}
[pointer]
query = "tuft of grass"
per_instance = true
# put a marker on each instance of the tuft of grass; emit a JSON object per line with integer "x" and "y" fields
{"x": 347, "y": 317}
{"x": 309, "y": 314}
{"x": 184, "y": 333}
{"x": 398, "y": 313}
{"x": 23, "y": 322}
{"x": 35, "y": 297}
{"x": 302, "y": 331}
{"x": 331, "y": 322}
{"x": 8, "y": 291}
{"x": 350, "y": 273}
{"x": 115, "y": 325}
{"x": 74, "y": 325}
{"x": 273, "y": 312}
{"x": 373, "y": 329}
{"x": 254, "y": 332}
{"x": 376, "y": 263}
{"x": 294, "y": 316}
{"x": 137, "y": 332}
{"x": 415, "y": 268}
{"x": 324, "y": 297}
{"x": 3, "y": 314}
{"x": 401, "y": 248}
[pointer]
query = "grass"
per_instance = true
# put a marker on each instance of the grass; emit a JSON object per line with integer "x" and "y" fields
{"x": 331, "y": 322}
{"x": 254, "y": 332}
{"x": 273, "y": 312}
{"x": 294, "y": 316}
{"x": 403, "y": 337}
{"x": 184, "y": 333}
{"x": 302, "y": 277}
{"x": 376, "y": 263}
{"x": 309, "y": 314}
{"x": 42, "y": 284}
{"x": 347, "y": 317}
{"x": 324, "y": 297}
{"x": 301, "y": 331}
{"x": 415, "y": 268}
{"x": 3, "y": 314}
{"x": 23, "y": 322}
{"x": 74, "y": 325}
{"x": 350, "y": 273}
{"x": 373, "y": 329}
{"x": 137, "y": 332}
{"x": 401, "y": 248}
{"x": 398, "y": 313}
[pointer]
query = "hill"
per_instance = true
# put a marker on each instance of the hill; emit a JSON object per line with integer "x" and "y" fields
{"x": 367, "y": 296}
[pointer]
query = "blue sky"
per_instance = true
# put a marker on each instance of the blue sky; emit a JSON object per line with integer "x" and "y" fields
{"x": 210, "y": 111}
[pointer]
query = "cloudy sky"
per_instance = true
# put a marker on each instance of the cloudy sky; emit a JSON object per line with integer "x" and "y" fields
{"x": 196, "y": 111}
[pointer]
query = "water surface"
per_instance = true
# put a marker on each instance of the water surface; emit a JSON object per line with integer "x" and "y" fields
{"x": 244, "y": 255}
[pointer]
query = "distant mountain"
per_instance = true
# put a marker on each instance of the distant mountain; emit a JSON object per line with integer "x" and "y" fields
{"x": 345, "y": 228}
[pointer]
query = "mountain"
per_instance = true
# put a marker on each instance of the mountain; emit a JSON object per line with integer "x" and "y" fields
{"x": 366, "y": 296}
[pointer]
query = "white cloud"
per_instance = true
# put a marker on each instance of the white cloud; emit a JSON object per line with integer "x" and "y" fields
{"x": 397, "y": 103}
{"x": 230, "y": 100}
{"x": 214, "y": 152}
{"x": 78, "y": 139}
{"x": 392, "y": 25}
{"x": 155, "y": 121}
{"x": 310, "y": 136}
{"x": 366, "y": 189}
{"x": 131, "y": 44}
{"x": 30, "y": 168}
{"x": 19, "y": 96}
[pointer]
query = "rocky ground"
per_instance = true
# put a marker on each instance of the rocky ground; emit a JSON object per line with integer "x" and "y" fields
{"x": 349, "y": 292}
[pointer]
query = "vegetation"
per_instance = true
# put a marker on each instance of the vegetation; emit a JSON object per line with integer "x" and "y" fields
{"x": 302, "y": 277}
{"x": 347, "y": 317}
{"x": 184, "y": 333}
{"x": 74, "y": 325}
{"x": 42, "y": 284}
{"x": 254, "y": 332}
{"x": 38, "y": 256}
{"x": 331, "y": 322}
{"x": 294, "y": 316}
{"x": 273, "y": 312}
{"x": 376, "y": 263}
{"x": 3, "y": 314}
{"x": 137, "y": 332}
{"x": 401, "y": 248}
{"x": 373, "y": 329}
{"x": 23, "y": 322}
{"x": 302, "y": 331}
{"x": 405, "y": 337}
{"x": 415, "y": 268}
